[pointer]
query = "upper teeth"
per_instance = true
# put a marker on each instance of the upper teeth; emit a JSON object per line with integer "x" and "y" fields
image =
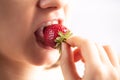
{"x": 50, "y": 23}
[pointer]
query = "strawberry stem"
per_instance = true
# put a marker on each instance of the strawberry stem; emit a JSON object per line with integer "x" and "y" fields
{"x": 62, "y": 38}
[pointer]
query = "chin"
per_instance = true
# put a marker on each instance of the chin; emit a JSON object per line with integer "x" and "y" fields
{"x": 46, "y": 58}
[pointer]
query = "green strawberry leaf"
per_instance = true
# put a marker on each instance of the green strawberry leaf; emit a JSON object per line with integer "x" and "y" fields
{"x": 62, "y": 38}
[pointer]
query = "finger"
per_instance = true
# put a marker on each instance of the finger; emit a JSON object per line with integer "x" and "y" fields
{"x": 67, "y": 63}
{"x": 112, "y": 56}
{"x": 103, "y": 55}
{"x": 77, "y": 55}
{"x": 89, "y": 50}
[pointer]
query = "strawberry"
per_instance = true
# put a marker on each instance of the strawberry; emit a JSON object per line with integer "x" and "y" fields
{"x": 55, "y": 34}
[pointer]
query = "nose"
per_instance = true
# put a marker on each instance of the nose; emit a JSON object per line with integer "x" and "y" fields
{"x": 52, "y": 3}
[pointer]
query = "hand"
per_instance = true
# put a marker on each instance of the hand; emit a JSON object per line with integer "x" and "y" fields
{"x": 101, "y": 63}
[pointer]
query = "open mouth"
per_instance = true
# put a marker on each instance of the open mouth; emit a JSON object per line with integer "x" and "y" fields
{"x": 39, "y": 32}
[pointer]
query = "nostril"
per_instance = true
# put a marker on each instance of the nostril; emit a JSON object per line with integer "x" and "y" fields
{"x": 49, "y": 4}
{"x": 44, "y": 4}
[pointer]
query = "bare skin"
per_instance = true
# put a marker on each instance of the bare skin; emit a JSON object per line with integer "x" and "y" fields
{"x": 23, "y": 57}
{"x": 101, "y": 63}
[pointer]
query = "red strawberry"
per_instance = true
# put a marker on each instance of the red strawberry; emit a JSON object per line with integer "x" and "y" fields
{"x": 55, "y": 34}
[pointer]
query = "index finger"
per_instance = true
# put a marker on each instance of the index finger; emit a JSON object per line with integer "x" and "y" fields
{"x": 88, "y": 49}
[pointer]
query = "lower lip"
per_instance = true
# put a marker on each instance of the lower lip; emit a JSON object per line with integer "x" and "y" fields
{"x": 42, "y": 44}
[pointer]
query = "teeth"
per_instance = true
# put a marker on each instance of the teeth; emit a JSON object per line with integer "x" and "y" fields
{"x": 55, "y": 22}
{"x": 50, "y": 23}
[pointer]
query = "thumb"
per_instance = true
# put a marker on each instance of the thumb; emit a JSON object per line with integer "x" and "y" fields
{"x": 67, "y": 63}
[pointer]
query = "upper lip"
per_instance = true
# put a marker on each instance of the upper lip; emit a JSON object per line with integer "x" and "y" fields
{"x": 49, "y": 22}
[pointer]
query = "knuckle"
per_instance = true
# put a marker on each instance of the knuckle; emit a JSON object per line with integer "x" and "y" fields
{"x": 106, "y": 73}
{"x": 114, "y": 74}
{"x": 87, "y": 42}
{"x": 100, "y": 73}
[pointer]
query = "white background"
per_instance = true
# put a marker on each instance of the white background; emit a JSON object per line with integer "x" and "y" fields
{"x": 98, "y": 20}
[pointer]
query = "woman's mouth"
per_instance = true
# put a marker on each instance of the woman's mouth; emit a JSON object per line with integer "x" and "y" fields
{"x": 39, "y": 32}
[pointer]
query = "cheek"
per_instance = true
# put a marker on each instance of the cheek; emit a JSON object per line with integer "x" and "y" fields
{"x": 15, "y": 28}
{"x": 11, "y": 42}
